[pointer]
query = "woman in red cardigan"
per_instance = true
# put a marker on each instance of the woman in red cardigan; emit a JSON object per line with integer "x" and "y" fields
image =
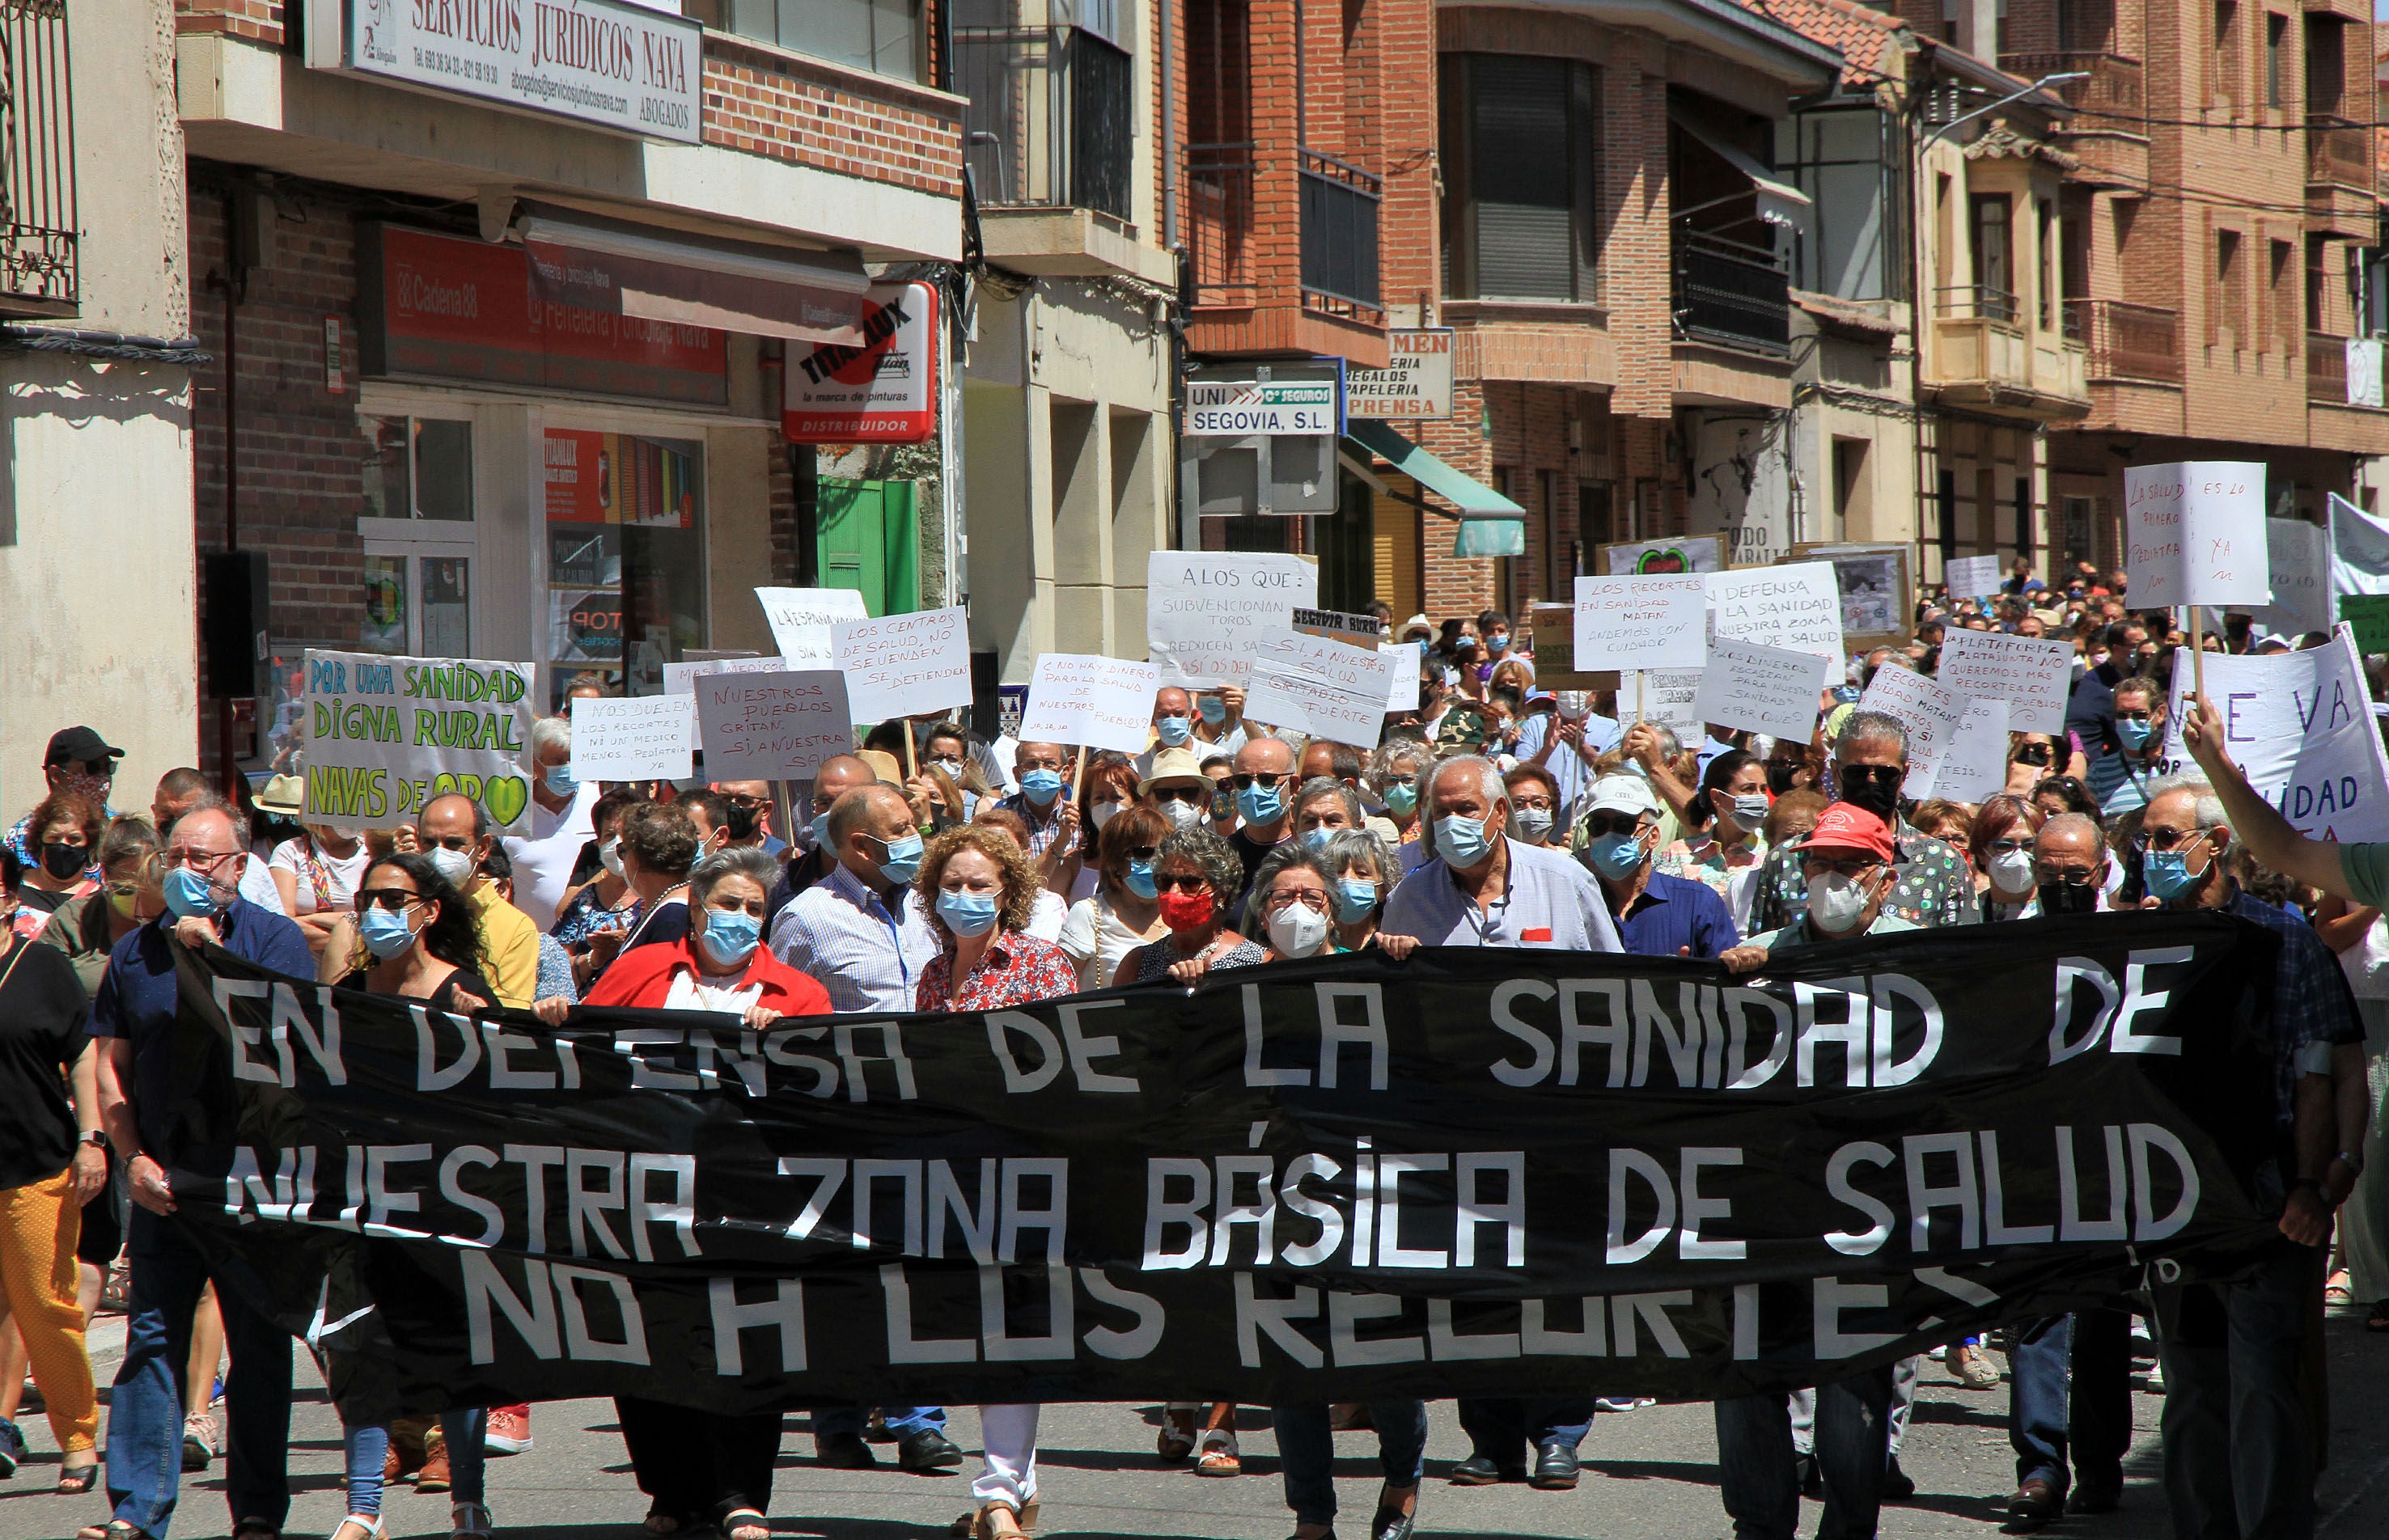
{"x": 702, "y": 1469}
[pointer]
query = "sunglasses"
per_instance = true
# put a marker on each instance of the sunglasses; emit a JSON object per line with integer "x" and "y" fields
{"x": 1882, "y": 775}
{"x": 1598, "y": 827}
{"x": 2171, "y": 839}
{"x": 1181, "y": 794}
{"x": 1180, "y": 882}
{"x": 1143, "y": 852}
{"x": 394, "y": 899}
{"x": 1243, "y": 782}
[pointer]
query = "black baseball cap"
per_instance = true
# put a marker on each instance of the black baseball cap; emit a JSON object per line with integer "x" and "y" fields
{"x": 80, "y": 746}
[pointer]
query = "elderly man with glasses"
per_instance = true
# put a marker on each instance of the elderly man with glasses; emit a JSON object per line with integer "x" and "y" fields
{"x": 1929, "y": 885}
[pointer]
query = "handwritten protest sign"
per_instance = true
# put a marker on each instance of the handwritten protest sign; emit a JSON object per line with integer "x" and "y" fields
{"x": 1756, "y": 688}
{"x": 1402, "y": 693}
{"x": 1970, "y": 577}
{"x": 904, "y": 664}
{"x": 1668, "y": 697}
{"x": 1647, "y": 622}
{"x": 1975, "y": 765}
{"x": 644, "y": 738}
{"x": 1086, "y": 699}
{"x": 1322, "y": 689}
{"x": 1209, "y": 613}
{"x": 2300, "y": 726}
{"x": 1929, "y": 712}
{"x": 1357, "y": 631}
{"x": 771, "y": 726}
{"x": 2367, "y": 615}
{"x": 1798, "y": 606}
{"x": 2032, "y": 675}
{"x": 800, "y": 619}
{"x": 2195, "y": 533}
{"x": 2297, "y": 570}
{"x": 386, "y": 735}
{"x": 678, "y": 678}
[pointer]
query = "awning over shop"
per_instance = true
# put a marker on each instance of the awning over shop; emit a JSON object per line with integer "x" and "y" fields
{"x": 615, "y": 267}
{"x": 1779, "y": 202}
{"x": 1490, "y": 525}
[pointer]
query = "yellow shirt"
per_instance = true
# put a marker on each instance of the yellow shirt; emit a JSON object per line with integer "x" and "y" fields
{"x": 509, "y": 945}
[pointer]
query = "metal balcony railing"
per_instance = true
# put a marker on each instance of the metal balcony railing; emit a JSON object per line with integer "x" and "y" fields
{"x": 1050, "y": 122}
{"x": 1731, "y": 293}
{"x": 1339, "y": 233}
{"x": 1219, "y": 223}
{"x": 38, "y": 268}
{"x": 2338, "y": 154}
{"x": 2127, "y": 342}
{"x": 2114, "y": 94}
{"x": 2326, "y": 368}
{"x": 1975, "y": 302}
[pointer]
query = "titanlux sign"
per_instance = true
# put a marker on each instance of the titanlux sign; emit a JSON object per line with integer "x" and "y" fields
{"x": 1478, "y": 1172}
{"x": 622, "y": 67}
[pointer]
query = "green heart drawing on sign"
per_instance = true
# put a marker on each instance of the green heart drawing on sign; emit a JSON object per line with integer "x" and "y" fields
{"x": 1669, "y": 560}
{"x": 506, "y": 796}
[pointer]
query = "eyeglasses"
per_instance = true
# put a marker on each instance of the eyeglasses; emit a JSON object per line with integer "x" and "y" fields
{"x": 1882, "y": 775}
{"x": 1846, "y": 866}
{"x": 2171, "y": 839}
{"x": 1536, "y": 801}
{"x": 394, "y": 899}
{"x": 1263, "y": 779}
{"x": 1597, "y": 826}
{"x": 1169, "y": 881}
{"x": 2006, "y": 846}
{"x": 1309, "y": 897}
{"x": 184, "y": 856}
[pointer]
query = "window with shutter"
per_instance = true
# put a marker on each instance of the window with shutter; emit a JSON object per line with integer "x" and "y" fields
{"x": 1519, "y": 133}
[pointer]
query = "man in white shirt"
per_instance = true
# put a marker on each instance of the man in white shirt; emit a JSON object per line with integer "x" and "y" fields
{"x": 543, "y": 856}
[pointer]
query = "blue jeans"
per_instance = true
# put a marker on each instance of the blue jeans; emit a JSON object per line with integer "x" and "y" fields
{"x": 363, "y": 1450}
{"x": 2239, "y": 1445}
{"x": 2039, "y": 1355}
{"x": 829, "y": 1420}
{"x": 1498, "y": 1425}
{"x": 1309, "y": 1453}
{"x": 1754, "y": 1474}
{"x": 144, "y": 1424}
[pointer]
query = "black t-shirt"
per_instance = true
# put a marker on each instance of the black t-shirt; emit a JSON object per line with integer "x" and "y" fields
{"x": 1252, "y": 852}
{"x": 45, "y": 1020}
{"x": 31, "y": 897}
{"x": 443, "y": 997}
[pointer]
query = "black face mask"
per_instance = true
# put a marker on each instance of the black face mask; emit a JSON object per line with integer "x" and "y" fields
{"x": 65, "y": 861}
{"x": 1879, "y": 797}
{"x": 740, "y": 823}
{"x": 2068, "y": 897}
{"x": 1779, "y": 778}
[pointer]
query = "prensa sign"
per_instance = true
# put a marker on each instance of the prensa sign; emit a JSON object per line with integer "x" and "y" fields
{"x": 616, "y": 66}
{"x": 882, "y": 391}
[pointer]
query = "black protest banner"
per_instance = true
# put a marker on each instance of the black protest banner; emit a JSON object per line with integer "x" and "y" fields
{"x": 1477, "y": 1172}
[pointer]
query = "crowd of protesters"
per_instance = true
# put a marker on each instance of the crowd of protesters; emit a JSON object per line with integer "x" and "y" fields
{"x": 959, "y": 872}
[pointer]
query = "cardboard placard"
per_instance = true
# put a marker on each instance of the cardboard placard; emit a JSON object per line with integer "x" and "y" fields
{"x": 1087, "y": 700}
{"x": 1554, "y": 627}
{"x": 1209, "y": 613}
{"x": 1756, "y": 688}
{"x": 678, "y": 678}
{"x": 2195, "y": 533}
{"x": 779, "y": 726}
{"x": 1976, "y": 763}
{"x": 1402, "y": 695}
{"x": 2033, "y": 675}
{"x": 1357, "y": 631}
{"x": 1322, "y": 689}
{"x": 2297, "y": 573}
{"x": 2300, "y": 726}
{"x": 800, "y": 619}
{"x": 1640, "y": 622}
{"x": 644, "y": 738}
{"x": 904, "y": 664}
{"x": 1930, "y": 713}
{"x": 1678, "y": 554}
{"x": 1797, "y": 608}
{"x": 1670, "y": 696}
{"x": 2368, "y": 619}
{"x": 1970, "y": 577}
{"x": 387, "y": 734}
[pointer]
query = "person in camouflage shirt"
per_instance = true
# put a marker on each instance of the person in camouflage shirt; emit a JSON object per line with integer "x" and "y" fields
{"x": 1931, "y": 885}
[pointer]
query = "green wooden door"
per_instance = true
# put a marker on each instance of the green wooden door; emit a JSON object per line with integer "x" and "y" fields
{"x": 870, "y": 541}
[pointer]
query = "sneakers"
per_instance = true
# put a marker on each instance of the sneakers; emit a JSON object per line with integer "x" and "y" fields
{"x": 201, "y": 1442}
{"x": 508, "y": 1432}
{"x": 12, "y": 1449}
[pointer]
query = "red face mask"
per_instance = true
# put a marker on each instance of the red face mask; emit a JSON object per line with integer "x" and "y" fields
{"x": 1186, "y": 911}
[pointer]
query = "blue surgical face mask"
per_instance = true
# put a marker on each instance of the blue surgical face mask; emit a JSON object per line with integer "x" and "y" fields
{"x": 1041, "y": 786}
{"x": 1462, "y": 841}
{"x": 1615, "y": 855}
{"x": 1140, "y": 880}
{"x": 386, "y": 935}
{"x": 818, "y": 830}
{"x": 1214, "y": 709}
{"x": 1260, "y": 804}
{"x": 903, "y": 859}
{"x": 2134, "y": 734}
{"x": 966, "y": 913}
{"x": 1315, "y": 840}
{"x": 731, "y": 933}
{"x": 189, "y": 895}
{"x": 2168, "y": 875}
{"x": 1174, "y": 731}
{"x": 1355, "y": 899}
{"x": 1401, "y": 798}
{"x": 1498, "y": 643}
{"x": 561, "y": 781}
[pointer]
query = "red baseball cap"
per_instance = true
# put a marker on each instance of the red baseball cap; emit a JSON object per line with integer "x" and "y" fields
{"x": 1846, "y": 827}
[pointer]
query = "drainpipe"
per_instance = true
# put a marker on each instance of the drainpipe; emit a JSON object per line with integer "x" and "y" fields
{"x": 1168, "y": 126}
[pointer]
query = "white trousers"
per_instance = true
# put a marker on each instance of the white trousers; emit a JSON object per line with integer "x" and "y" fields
{"x": 1008, "y": 1440}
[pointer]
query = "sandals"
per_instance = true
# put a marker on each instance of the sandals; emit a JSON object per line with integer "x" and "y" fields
{"x": 658, "y": 1521}
{"x": 1216, "y": 1454}
{"x": 76, "y": 1480}
{"x": 369, "y": 1523}
{"x": 115, "y": 1528}
{"x": 1176, "y": 1440}
{"x": 2337, "y": 1290}
{"x": 469, "y": 1521}
{"x": 992, "y": 1521}
{"x": 745, "y": 1523}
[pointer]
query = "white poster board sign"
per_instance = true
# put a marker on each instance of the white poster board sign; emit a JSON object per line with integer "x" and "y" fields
{"x": 1209, "y": 613}
{"x": 1930, "y": 714}
{"x": 1402, "y": 693}
{"x": 904, "y": 664}
{"x": 678, "y": 678}
{"x": 1976, "y": 764}
{"x": 1797, "y": 608}
{"x": 1970, "y": 577}
{"x": 2300, "y": 727}
{"x": 1322, "y": 689}
{"x": 1646, "y": 622}
{"x": 1670, "y": 696}
{"x": 1087, "y": 700}
{"x": 2297, "y": 570}
{"x": 800, "y": 619}
{"x": 1756, "y": 688}
{"x": 771, "y": 726}
{"x": 2195, "y": 533}
{"x": 2033, "y": 675}
{"x": 386, "y": 735}
{"x": 644, "y": 738}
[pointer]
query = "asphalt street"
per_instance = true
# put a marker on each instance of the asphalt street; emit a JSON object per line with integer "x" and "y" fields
{"x": 1649, "y": 1475}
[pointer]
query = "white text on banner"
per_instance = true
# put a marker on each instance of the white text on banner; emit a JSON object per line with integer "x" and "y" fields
{"x": 1090, "y": 701}
{"x": 641, "y": 738}
{"x": 1647, "y": 622}
{"x": 1756, "y": 688}
{"x": 904, "y": 664}
{"x": 771, "y": 726}
{"x": 2032, "y": 675}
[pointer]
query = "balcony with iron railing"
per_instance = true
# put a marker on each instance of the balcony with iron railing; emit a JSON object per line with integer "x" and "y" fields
{"x": 2108, "y": 131}
{"x": 1219, "y": 223}
{"x": 2326, "y": 369}
{"x": 1336, "y": 208}
{"x": 39, "y": 271}
{"x": 1339, "y": 235}
{"x": 2338, "y": 157}
{"x": 1051, "y": 121}
{"x": 1731, "y": 293}
{"x": 2127, "y": 343}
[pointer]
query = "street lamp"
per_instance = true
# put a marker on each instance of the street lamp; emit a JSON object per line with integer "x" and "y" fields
{"x": 2041, "y": 83}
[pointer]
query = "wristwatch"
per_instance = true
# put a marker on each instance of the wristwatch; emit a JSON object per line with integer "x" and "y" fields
{"x": 2352, "y": 1160}
{"x": 97, "y": 1137}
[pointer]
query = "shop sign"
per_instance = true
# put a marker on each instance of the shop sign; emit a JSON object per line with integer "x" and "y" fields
{"x": 1237, "y": 409}
{"x": 883, "y": 390}
{"x": 1415, "y": 382}
{"x": 616, "y": 66}
{"x": 439, "y": 307}
{"x": 617, "y": 478}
